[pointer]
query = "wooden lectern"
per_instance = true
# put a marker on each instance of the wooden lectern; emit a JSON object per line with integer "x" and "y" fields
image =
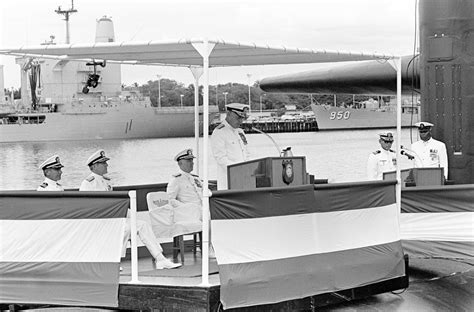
{"x": 418, "y": 176}
{"x": 428, "y": 176}
{"x": 267, "y": 172}
{"x": 392, "y": 175}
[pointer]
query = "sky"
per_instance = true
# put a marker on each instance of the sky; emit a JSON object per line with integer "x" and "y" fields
{"x": 372, "y": 26}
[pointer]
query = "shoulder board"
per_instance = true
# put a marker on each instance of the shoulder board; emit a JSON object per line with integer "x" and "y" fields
{"x": 106, "y": 178}
{"x": 177, "y": 175}
{"x": 90, "y": 179}
{"x": 44, "y": 184}
{"x": 58, "y": 184}
{"x": 376, "y": 152}
{"x": 195, "y": 175}
{"x": 220, "y": 126}
{"x": 391, "y": 150}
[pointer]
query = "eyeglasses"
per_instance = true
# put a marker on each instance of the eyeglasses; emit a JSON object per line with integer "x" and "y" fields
{"x": 240, "y": 116}
{"x": 387, "y": 141}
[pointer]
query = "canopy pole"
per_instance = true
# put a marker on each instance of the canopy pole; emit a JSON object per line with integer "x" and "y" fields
{"x": 205, "y": 197}
{"x": 396, "y": 63}
{"x": 205, "y": 49}
{"x": 399, "y": 131}
{"x": 197, "y": 72}
{"x": 133, "y": 236}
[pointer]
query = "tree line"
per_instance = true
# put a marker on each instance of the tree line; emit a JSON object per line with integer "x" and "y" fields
{"x": 220, "y": 94}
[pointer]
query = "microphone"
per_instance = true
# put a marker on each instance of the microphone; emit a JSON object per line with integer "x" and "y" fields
{"x": 267, "y": 135}
{"x": 411, "y": 155}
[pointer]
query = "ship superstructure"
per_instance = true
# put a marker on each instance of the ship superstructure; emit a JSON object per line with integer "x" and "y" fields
{"x": 72, "y": 100}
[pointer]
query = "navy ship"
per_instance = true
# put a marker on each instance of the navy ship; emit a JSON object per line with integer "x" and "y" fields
{"x": 71, "y": 100}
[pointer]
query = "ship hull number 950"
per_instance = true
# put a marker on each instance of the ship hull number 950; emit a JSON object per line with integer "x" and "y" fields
{"x": 340, "y": 115}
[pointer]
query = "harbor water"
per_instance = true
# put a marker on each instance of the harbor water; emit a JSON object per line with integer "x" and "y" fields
{"x": 339, "y": 156}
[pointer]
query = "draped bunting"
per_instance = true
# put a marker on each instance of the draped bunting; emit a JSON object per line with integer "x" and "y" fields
{"x": 61, "y": 248}
{"x": 280, "y": 244}
{"x": 438, "y": 221}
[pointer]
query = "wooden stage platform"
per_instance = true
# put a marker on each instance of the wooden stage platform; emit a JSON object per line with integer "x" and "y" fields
{"x": 168, "y": 290}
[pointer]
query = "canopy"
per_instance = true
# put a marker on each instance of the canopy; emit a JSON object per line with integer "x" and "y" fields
{"x": 185, "y": 53}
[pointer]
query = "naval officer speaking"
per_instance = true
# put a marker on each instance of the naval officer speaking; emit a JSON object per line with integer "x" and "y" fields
{"x": 228, "y": 142}
{"x": 383, "y": 159}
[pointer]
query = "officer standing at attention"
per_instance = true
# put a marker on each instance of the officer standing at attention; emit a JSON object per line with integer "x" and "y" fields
{"x": 185, "y": 189}
{"x": 228, "y": 142}
{"x": 382, "y": 160}
{"x": 52, "y": 171}
{"x": 428, "y": 151}
{"x": 96, "y": 181}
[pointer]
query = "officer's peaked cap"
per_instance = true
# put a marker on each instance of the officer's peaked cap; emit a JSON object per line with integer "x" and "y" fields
{"x": 237, "y": 107}
{"x": 423, "y": 125}
{"x": 186, "y": 154}
{"x": 97, "y": 157}
{"x": 386, "y": 136}
{"x": 51, "y": 162}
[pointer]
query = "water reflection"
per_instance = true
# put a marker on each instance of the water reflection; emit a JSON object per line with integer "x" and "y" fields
{"x": 339, "y": 156}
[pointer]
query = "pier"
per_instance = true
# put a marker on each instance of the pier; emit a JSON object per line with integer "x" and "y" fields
{"x": 277, "y": 125}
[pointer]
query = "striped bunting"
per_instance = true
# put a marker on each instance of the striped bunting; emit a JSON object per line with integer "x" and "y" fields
{"x": 438, "y": 221}
{"x": 279, "y": 244}
{"x": 61, "y": 249}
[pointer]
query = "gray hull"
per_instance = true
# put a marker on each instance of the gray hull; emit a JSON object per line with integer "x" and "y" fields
{"x": 129, "y": 123}
{"x": 340, "y": 118}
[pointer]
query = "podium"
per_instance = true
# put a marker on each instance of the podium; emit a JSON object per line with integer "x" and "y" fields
{"x": 392, "y": 175}
{"x": 267, "y": 172}
{"x": 418, "y": 176}
{"x": 428, "y": 176}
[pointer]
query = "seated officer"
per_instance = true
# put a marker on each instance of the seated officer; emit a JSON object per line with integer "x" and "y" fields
{"x": 96, "y": 181}
{"x": 185, "y": 189}
{"x": 52, "y": 171}
{"x": 428, "y": 151}
{"x": 383, "y": 159}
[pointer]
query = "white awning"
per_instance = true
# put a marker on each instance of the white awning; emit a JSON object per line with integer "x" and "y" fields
{"x": 184, "y": 53}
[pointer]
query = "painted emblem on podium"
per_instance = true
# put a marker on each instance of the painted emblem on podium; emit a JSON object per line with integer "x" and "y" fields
{"x": 287, "y": 171}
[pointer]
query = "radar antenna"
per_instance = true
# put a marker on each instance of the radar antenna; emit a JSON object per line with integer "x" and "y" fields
{"x": 66, "y": 14}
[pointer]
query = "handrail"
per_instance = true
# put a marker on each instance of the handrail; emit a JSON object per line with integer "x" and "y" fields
{"x": 133, "y": 236}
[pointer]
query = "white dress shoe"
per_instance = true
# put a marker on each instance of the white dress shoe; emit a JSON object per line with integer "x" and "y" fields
{"x": 212, "y": 255}
{"x": 166, "y": 264}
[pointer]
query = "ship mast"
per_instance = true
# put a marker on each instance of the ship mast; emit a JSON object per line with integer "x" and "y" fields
{"x": 66, "y": 14}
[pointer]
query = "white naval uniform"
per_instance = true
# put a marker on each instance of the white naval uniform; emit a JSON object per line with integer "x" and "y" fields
{"x": 379, "y": 162}
{"x": 431, "y": 153}
{"x": 229, "y": 146}
{"x": 50, "y": 185}
{"x": 95, "y": 182}
{"x": 185, "y": 195}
